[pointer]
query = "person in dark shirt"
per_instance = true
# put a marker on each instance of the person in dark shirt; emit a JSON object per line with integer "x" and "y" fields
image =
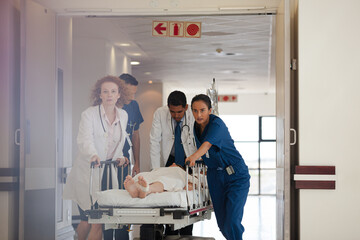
{"x": 135, "y": 119}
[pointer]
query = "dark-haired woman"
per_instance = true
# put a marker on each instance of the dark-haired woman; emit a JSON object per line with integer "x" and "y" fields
{"x": 101, "y": 136}
{"x": 228, "y": 176}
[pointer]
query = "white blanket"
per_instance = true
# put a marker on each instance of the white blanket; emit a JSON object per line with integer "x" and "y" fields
{"x": 121, "y": 198}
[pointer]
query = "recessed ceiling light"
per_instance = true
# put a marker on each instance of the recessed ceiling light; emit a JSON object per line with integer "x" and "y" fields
{"x": 135, "y": 54}
{"x": 87, "y": 9}
{"x": 147, "y": 73}
{"x": 123, "y": 44}
{"x": 134, "y": 63}
{"x": 220, "y": 54}
{"x": 227, "y": 71}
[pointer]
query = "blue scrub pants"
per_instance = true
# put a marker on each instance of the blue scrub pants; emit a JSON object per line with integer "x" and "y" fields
{"x": 228, "y": 194}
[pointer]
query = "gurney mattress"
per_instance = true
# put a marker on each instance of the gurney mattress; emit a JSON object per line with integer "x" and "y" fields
{"x": 121, "y": 198}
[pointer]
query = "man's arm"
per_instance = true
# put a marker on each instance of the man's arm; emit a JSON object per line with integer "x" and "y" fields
{"x": 136, "y": 150}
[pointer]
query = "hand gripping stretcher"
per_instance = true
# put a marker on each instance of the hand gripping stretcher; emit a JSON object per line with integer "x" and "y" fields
{"x": 115, "y": 208}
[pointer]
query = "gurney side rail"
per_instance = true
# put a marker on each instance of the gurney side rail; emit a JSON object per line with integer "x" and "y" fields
{"x": 199, "y": 186}
{"x": 107, "y": 162}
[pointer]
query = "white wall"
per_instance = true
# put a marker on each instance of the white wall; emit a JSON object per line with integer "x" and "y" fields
{"x": 89, "y": 65}
{"x": 40, "y": 101}
{"x": 116, "y": 61}
{"x": 9, "y": 107}
{"x": 329, "y": 112}
{"x": 40, "y": 115}
{"x": 64, "y": 62}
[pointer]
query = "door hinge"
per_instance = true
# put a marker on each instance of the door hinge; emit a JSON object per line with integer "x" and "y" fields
{"x": 64, "y": 173}
{"x": 293, "y": 64}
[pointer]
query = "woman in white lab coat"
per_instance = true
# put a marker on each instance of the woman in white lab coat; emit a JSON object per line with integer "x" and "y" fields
{"x": 101, "y": 136}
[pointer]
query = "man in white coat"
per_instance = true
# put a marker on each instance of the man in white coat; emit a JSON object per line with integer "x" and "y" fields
{"x": 172, "y": 138}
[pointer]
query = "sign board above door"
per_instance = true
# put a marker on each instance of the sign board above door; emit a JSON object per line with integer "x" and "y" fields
{"x": 176, "y": 29}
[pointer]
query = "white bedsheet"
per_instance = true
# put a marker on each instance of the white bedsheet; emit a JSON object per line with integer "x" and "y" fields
{"x": 121, "y": 198}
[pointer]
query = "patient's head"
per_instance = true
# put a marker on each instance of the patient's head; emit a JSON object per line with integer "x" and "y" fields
{"x": 175, "y": 165}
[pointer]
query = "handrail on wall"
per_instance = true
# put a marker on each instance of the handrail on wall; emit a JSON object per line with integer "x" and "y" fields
{"x": 9, "y": 185}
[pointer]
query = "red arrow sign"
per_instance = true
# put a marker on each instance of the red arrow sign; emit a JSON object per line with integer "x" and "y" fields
{"x": 159, "y": 29}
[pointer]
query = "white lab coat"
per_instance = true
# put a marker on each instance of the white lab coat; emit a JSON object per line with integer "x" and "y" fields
{"x": 162, "y": 136}
{"x": 92, "y": 141}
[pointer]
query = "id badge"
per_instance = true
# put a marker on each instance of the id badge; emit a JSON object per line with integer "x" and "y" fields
{"x": 230, "y": 170}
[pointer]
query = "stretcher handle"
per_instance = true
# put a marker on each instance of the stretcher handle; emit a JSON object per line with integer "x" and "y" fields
{"x": 187, "y": 163}
{"x": 92, "y": 165}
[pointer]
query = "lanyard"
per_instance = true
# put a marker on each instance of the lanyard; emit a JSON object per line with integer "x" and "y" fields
{"x": 102, "y": 123}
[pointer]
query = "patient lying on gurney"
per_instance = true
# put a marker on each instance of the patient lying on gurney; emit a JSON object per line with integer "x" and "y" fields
{"x": 169, "y": 179}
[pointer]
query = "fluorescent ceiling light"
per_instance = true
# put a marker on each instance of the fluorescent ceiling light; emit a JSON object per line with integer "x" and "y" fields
{"x": 134, "y": 63}
{"x": 135, "y": 54}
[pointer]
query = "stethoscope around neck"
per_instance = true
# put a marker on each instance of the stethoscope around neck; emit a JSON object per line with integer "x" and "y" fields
{"x": 101, "y": 120}
{"x": 102, "y": 123}
{"x": 182, "y": 127}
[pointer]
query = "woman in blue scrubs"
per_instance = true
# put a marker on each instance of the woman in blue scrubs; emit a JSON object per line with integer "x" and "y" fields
{"x": 228, "y": 176}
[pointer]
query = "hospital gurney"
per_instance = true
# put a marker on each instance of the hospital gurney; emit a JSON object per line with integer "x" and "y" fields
{"x": 116, "y": 207}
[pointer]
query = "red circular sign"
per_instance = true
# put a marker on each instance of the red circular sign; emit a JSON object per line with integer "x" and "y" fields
{"x": 192, "y": 29}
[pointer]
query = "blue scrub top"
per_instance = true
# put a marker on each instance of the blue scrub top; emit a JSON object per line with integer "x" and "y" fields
{"x": 222, "y": 152}
{"x": 134, "y": 120}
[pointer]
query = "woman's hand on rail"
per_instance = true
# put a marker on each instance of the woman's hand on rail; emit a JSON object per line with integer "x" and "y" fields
{"x": 122, "y": 161}
{"x": 203, "y": 149}
{"x": 96, "y": 160}
{"x": 191, "y": 159}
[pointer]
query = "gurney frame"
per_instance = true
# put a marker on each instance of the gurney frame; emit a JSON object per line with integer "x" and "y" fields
{"x": 177, "y": 217}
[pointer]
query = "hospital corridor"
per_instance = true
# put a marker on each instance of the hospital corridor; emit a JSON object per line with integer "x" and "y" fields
{"x": 179, "y": 119}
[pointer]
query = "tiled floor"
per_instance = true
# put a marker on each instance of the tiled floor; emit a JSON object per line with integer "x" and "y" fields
{"x": 259, "y": 221}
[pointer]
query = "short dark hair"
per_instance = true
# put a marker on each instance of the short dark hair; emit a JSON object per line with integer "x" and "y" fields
{"x": 129, "y": 79}
{"x": 176, "y": 98}
{"x": 201, "y": 97}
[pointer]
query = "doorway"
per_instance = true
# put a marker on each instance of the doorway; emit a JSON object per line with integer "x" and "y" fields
{"x": 237, "y": 50}
{"x": 105, "y": 66}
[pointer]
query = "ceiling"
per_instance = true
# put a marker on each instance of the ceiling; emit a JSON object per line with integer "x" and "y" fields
{"x": 235, "y": 49}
